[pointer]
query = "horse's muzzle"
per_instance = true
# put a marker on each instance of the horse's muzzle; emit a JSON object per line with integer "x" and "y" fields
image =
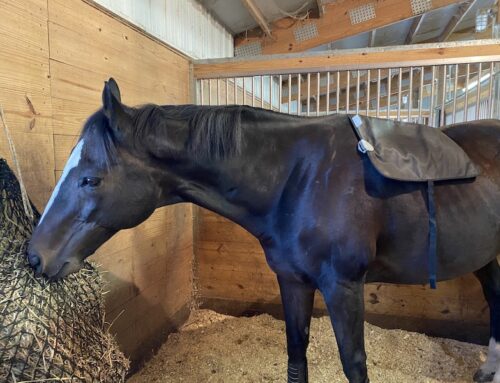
{"x": 35, "y": 262}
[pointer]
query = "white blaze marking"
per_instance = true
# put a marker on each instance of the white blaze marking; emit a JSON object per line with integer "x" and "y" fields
{"x": 492, "y": 363}
{"x": 73, "y": 162}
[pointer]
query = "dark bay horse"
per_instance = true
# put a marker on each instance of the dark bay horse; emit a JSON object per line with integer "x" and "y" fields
{"x": 326, "y": 219}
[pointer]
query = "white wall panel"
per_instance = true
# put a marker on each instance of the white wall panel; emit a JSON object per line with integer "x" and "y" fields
{"x": 184, "y": 24}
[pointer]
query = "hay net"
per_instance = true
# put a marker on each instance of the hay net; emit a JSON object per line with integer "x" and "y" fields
{"x": 48, "y": 331}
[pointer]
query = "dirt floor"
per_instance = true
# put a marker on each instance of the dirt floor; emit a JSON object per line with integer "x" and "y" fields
{"x": 218, "y": 348}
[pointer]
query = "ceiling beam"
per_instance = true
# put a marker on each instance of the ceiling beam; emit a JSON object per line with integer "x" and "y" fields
{"x": 291, "y": 35}
{"x": 350, "y": 59}
{"x": 257, "y": 15}
{"x": 415, "y": 26}
{"x": 372, "y": 38}
{"x": 468, "y": 34}
{"x": 321, "y": 8}
{"x": 456, "y": 19}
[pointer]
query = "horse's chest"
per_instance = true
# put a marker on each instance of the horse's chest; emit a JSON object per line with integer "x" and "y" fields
{"x": 293, "y": 260}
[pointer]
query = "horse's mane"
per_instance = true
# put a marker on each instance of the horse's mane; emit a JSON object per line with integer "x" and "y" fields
{"x": 214, "y": 132}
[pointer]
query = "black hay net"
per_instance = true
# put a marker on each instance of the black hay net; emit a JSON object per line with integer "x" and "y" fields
{"x": 49, "y": 332}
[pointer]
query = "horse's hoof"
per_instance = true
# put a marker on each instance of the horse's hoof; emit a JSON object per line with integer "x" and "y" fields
{"x": 482, "y": 377}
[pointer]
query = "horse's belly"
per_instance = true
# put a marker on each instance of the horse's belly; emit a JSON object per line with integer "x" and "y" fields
{"x": 468, "y": 218}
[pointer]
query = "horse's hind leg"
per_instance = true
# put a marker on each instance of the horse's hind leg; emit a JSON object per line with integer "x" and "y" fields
{"x": 489, "y": 276}
{"x": 298, "y": 300}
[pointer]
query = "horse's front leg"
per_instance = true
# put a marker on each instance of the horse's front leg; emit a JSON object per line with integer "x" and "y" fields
{"x": 344, "y": 300}
{"x": 298, "y": 299}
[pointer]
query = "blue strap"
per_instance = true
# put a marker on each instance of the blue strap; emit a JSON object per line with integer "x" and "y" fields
{"x": 432, "y": 235}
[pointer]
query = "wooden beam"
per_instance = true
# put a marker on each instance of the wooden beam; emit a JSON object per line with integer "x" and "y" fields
{"x": 498, "y": 13}
{"x": 372, "y": 38}
{"x": 366, "y": 58}
{"x": 456, "y": 19}
{"x": 287, "y": 36}
{"x": 413, "y": 31}
{"x": 469, "y": 34}
{"x": 257, "y": 15}
{"x": 321, "y": 8}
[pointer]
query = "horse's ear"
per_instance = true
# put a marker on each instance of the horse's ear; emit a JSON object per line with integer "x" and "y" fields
{"x": 111, "y": 103}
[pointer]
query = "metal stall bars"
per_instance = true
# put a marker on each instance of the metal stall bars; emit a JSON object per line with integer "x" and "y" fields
{"x": 433, "y": 93}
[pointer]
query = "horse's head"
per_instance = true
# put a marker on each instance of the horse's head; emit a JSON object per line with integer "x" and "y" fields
{"x": 104, "y": 188}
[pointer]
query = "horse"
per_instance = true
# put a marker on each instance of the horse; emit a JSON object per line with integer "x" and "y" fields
{"x": 325, "y": 217}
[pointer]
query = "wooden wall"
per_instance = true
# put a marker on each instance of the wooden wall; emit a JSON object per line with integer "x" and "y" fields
{"x": 233, "y": 276}
{"x": 54, "y": 59}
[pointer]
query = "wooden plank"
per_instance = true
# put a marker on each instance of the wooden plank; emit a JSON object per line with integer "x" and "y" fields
{"x": 366, "y": 58}
{"x": 63, "y": 144}
{"x": 142, "y": 322}
{"x": 35, "y": 153}
{"x": 131, "y": 271}
{"x": 69, "y": 116}
{"x": 227, "y": 232}
{"x": 25, "y": 93}
{"x": 108, "y": 42}
{"x": 336, "y": 14}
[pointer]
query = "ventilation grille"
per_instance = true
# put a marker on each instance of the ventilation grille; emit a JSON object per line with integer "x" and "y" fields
{"x": 250, "y": 49}
{"x": 305, "y": 32}
{"x": 420, "y": 6}
{"x": 361, "y": 14}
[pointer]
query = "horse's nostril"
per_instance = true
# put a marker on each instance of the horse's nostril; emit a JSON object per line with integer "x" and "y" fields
{"x": 35, "y": 262}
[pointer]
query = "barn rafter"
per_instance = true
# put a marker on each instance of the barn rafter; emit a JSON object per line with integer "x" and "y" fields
{"x": 321, "y": 8}
{"x": 258, "y": 16}
{"x": 414, "y": 28}
{"x": 456, "y": 19}
{"x": 348, "y": 18}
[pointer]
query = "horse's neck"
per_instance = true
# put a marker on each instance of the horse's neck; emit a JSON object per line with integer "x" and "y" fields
{"x": 247, "y": 187}
{"x": 242, "y": 188}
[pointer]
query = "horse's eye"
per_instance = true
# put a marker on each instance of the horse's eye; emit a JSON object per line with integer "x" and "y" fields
{"x": 90, "y": 181}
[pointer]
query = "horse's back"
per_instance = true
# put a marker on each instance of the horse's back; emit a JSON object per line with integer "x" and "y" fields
{"x": 481, "y": 141}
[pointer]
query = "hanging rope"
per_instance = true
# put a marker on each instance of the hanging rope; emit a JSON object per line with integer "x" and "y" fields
{"x": 26, "y": 201}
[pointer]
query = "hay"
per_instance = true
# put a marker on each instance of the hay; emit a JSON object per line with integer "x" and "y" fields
{"x": 217, "y": 348}
{"x": 49, "y": 332}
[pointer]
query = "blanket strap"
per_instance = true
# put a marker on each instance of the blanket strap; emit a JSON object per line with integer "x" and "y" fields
{"x": 432, "y": 234}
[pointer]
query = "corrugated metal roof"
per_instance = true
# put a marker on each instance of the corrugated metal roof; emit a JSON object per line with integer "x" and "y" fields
{"x": 184, "y": 24}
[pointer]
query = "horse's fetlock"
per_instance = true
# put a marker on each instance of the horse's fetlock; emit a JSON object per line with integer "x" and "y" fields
{"x": 297, "y": 372}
